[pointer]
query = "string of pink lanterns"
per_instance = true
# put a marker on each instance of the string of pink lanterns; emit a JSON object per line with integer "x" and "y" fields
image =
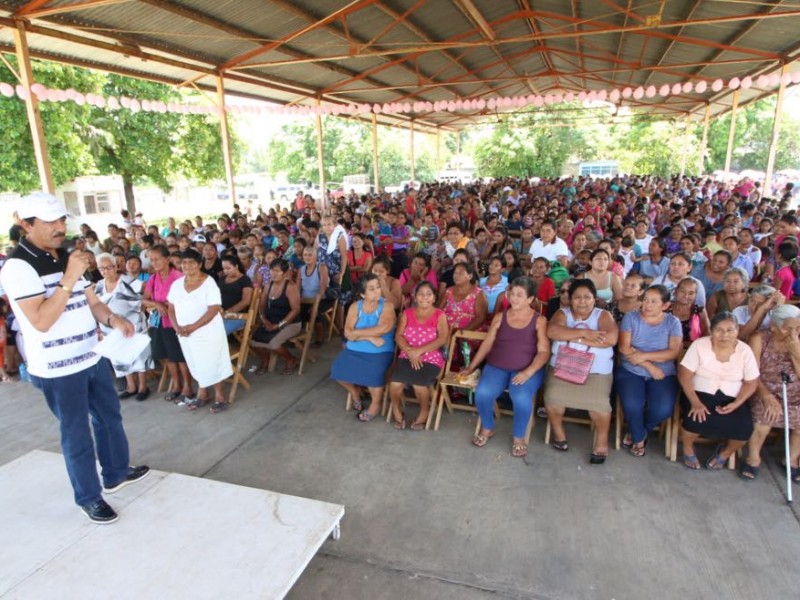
{"x": 135, "y": 105}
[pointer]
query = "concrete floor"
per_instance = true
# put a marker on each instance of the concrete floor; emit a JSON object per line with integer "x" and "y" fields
{"x": 430, "y": 516}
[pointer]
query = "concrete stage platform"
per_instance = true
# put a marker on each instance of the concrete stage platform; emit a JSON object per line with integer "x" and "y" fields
{"x": 177, "y": 537}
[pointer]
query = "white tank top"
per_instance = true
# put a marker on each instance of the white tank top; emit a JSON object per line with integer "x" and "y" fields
{"x": 603, "y": 357}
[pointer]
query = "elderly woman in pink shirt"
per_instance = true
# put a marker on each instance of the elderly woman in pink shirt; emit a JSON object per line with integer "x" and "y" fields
{"x": 718, "y": 374}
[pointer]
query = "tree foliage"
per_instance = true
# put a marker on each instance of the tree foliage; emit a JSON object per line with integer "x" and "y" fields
{"x": 347, "y": 150}
{"x": 69, "y": 155}
{"x": 138, "y": 146}
{"x": 752, "y": 139}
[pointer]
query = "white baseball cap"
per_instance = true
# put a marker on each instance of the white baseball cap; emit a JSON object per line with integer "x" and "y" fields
{"x": 42, "y": 205}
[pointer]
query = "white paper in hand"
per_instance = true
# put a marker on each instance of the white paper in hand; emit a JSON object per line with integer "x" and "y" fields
{"x": 121, "y": 350}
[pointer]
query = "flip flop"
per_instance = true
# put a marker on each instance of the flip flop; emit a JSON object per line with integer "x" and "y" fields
{"x": 481, "y": 440}
{"x": 218, "y": 407}
{"x": 560, "y": 445}
{"x": 748, "y": 472}
{"x": 172, "y": 396}
{"x": 365, "y": 417}
{"x": 715, "y": 462}
{"x": 691, "y": 462}
{"x": 519, "y": 450}
{"x": 415, "y": 426}
{"x": 597, "y": 459}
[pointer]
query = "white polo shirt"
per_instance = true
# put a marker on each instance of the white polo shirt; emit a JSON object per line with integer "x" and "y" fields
{"x": 67, "y": 347}
{"x": 550, "y": 251}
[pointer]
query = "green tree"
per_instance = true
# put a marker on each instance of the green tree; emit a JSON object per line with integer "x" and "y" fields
{"x": 69, "y": 155}
{"x": 152, "y": 146}
{"x": 656, "y": 147}
{"x": 752, "y": 138}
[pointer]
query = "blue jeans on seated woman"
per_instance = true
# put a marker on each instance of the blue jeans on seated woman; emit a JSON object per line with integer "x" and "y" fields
{"x": 646, "y": 402}
{"x": 232, "y": 325}
{"x": 494, "y": 382}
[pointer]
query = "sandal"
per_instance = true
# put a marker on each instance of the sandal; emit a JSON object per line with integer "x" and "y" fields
{"x": 748, "y": 472}
{"x": 627, "y": 441}
{"x": 481, "y": 440}
{"x": 560, "y": 445}
{"x": 172, "y": 396}
{"x": 218, "y": 407}
{"x": 519, "y": 450}
{"x": 691, "y": 462}
{"x": 365, "y": 417}
{"x": 597, "y": 459}
{"x": 196, "y": 403}
{"x": 794, "y": 472}
{"x": 417, "y": 426}
{"x": 253, "y": 369}
{"x": 289, "y": 370}
{"x": 638, "y": 451}
{"x": 715, "y": 462}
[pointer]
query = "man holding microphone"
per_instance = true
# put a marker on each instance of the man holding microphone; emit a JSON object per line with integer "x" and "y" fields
{"x": 58, "y": 313}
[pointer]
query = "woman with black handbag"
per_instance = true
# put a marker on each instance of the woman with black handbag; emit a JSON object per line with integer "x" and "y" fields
{"x": 580, "y": 376}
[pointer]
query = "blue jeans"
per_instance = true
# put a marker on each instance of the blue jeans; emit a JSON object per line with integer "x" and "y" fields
{"x": 493, "y": 382}
{"x": 73, "y": 399}
{"x": 646, "y": 402}
{"x": 232, "y": 325}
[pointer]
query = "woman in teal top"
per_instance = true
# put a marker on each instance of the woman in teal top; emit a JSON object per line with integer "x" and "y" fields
{"x": 369, "y": 329}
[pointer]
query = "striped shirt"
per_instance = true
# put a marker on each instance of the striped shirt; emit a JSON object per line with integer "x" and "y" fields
{"x": 67, "y": 347}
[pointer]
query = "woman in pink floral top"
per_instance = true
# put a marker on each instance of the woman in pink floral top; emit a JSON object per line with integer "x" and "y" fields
{"x": 464, "y": 304}
{"x": 422, "y": 333}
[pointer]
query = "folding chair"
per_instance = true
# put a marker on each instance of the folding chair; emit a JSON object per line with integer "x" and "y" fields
{"x": 450, "y": 377}
{"x": 386, "y": 408}
{"x": 239, "y": 357}
{"x": 302, "y": 341}
{"x": 665, "y": 430}
{"x": 508, "y": 412}
{"x": 330, "y": 314}
{"x": 675, "y": 438}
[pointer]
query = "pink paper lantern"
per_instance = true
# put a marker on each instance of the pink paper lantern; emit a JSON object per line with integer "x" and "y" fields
{"x": 734, "y": 83}
{"x": 650, "y": 92}
{"x": 664, "y": 90}
{"x": 428, "y": 107}
{"x": 71, "y": 94}
{"x": 112, "y": 102}
{"x": 602, "y": 95}
{"x": 747, "y": 83}
{"x": 677, "y": 89}
{"x": 481, "y": 104}
{"x": 548, "y": 99}
{"x": 614, "y": 96}
{"x": 591, "y": 96}
{"x": 701, "y": 87}
{"x": 38, "y": 89}
{"x": 491, "y": 103}
{"x": 774, "y": 79}
{"x": 146, "y": 106}
{"x": 23, "y": 92}
{"x": 582, "y": 96}
{"x": 377, "y": 109}
{"x": 569, "y": 97}
{"x": 762, "y": 81}
{"x": 538, "y": 102}
{"x": 717, "y": 85}
{"x": 531, "y": 98}
{"x": 125, "y": 101}
{"x": 796, "y": 77}
{"x": 6, "y": 89}
{"x": 638, "y": 93}
{"x": 687, "y": 87}
{"x": 786, "y": 78}
{"x": 135, "y": 105}
{"x": 558, "y": 98}
{"x": 627, "y": 92}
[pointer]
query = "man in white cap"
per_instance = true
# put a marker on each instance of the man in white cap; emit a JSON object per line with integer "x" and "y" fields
{"x": 58, "y": 313}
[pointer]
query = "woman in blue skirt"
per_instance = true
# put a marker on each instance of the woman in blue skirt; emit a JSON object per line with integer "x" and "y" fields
{"x": 369, "y": 329}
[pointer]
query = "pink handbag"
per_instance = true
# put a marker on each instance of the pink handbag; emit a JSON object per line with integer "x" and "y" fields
{"x": 573, "y": 365}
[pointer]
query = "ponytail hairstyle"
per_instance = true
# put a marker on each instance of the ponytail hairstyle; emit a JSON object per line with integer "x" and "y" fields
{"x": 788, "y": 252}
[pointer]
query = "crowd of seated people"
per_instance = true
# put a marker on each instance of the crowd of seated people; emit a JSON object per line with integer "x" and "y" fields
{"x": 656, "y": 291}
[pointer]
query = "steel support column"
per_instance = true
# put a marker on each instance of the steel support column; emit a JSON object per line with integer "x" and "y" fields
{"x": 321, "y": 164}
{"x": 411, "y": 150}
{"x": 732, "y": 131}
{"x": 701, "y": 162}
{"x": 32, "y": 109}
{"x": 685, "y": 143}
{"x": 375, "y": 169}
{"x": 776, "y": 128}
{"x": 226, "y": 139}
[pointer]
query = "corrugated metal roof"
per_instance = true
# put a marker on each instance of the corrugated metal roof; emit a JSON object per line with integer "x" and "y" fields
{"x": 371, "y": 51}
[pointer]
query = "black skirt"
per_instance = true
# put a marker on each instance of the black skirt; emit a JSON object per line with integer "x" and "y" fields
{"x": 404, "y": 373}
{"x": 737, "y": 426}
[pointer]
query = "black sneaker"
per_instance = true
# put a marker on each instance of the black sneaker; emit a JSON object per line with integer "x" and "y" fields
{"x": 142, "y": 396}
{"x": 134, "y": 474}
{"x": 100, "y": 512}
{"x": 126, "y": 394}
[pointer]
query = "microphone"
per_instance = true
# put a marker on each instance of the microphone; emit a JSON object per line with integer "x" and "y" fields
{"x": 785, "y": 377}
